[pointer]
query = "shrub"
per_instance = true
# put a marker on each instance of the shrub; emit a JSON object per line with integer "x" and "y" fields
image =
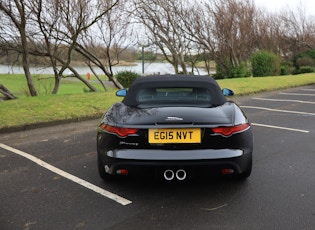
{"x": 305, "y": 61}
{"x": 306, "y": 58}
{"x": 232, "y": 72}
{"x": 304, "y": 69}
{"x": 148, "y": 56}
{"x": 265, "y": 63}
{"x": 240, "y": 71}
{"x": 126, "y": 78}
{"x": 286, "y": 68}
{"x": 219, "y": 74}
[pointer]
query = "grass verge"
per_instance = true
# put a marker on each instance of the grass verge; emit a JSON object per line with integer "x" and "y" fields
{"x": 31, "y": 111}
{"x": 73, "y": 104}
{"x": 246, "y": 86}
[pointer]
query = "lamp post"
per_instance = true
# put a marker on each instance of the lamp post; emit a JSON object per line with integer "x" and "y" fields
{"x": 143, "y": 44}
{"x": 142, "y": 60}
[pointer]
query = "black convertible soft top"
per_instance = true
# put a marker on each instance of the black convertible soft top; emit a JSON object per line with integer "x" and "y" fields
{"x": 177, "y": 80}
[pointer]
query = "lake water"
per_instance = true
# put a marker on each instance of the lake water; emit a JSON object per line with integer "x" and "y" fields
{"x": 149, "y": 68}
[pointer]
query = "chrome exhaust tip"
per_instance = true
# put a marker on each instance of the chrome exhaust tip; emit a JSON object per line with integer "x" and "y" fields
{"x": 181, "y": 174}
{"x": 169, "y": 174}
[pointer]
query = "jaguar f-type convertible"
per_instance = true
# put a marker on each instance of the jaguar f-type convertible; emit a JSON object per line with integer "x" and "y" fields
{"x": 175, "y": 126}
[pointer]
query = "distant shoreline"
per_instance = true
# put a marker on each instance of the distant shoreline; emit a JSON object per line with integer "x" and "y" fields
{"x": 74, "y": 64}
{"x": 149, "y": 68}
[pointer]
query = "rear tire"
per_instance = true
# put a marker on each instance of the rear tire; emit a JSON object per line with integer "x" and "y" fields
{"x": 101, "y": 170}
{"x": 244, "y": 175}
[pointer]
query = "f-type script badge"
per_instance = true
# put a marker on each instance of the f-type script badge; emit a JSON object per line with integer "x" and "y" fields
{"x": 174, "y": 119}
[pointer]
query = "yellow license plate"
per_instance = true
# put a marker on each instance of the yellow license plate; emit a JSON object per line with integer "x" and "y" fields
{"x": 167, "y": 136}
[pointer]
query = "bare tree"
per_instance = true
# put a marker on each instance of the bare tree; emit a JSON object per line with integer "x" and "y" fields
{"x": 297, "y": 32}
{"x": 17, "y": 15}
{"x": 104, "y": 43}
{"x": 164, "y": 28}
{"x": 62, "y": 24}
{"x": 226, "y": 29}
{"x": 46, "y": 15}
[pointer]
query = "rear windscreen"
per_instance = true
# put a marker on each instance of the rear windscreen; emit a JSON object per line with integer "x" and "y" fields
{"x": 184, "y": 96}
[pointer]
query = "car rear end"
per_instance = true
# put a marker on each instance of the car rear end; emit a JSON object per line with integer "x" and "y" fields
{"x": 192, "y": 141}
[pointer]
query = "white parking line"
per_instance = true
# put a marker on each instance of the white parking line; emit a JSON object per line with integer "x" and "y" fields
{"x": 308, "y": 89}
{"x": 278, "y": 110}
{"x": 299, "y": 94}
{"x": 284, "y": 100}
{"x": 279, "y": 127}
{"x": 73, "y": 178}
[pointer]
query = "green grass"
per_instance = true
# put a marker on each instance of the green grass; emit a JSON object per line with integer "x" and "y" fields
{"x": 44, "y": 84}
{"x": 73, "y": 103}
{"x": 245, "y": 86}
{"x": 44, "y": 109}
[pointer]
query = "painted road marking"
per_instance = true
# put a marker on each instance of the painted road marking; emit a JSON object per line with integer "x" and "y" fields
{"x": 69, "y": 176}
{"x": 278, "y": 110}
{"x": 299, "y": 94}
{"x": 279, "y": 127}
{"x": 284, "y": 100}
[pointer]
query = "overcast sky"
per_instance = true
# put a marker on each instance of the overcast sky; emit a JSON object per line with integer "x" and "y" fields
{"x": 278, "y": 5}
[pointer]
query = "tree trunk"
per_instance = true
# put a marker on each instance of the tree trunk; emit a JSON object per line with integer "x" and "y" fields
{"x": 77, "y": 75}
{"x": 29, "y": 78}
{"x": 25, "y": 52}
{"x": 7, "y": 94}
{"x": 98, "y": 78}
{"x": 56, "y": 85}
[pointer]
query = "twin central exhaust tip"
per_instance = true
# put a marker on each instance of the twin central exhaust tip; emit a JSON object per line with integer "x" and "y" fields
{"x": 180, "y": 174}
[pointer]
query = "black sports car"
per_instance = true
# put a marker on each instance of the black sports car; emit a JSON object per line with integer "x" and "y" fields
{"x": 175, "y": 126}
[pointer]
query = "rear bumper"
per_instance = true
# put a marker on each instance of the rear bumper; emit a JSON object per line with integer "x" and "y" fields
{"x": 209, "y": 159}
{"x": 145, "y": 154}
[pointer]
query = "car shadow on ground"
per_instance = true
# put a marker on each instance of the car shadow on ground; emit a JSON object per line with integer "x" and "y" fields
{"x": 152, "y": 186}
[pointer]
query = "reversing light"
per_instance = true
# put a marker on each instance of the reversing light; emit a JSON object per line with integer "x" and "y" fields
{"x": 122, "y": 132}
{"x": 230, "y": 130}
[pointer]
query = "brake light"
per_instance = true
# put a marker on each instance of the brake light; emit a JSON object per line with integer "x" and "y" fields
{"x": 230, "y": 130}
{"x": 122, "y": 132}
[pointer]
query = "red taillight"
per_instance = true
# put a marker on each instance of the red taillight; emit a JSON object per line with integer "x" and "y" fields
{"x": 122, "y": 132}
{"x": 230, "y": 130}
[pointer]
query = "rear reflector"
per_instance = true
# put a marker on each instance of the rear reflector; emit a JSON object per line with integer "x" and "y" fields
{"x": 230, "y": 130}
{"x": 122, "y": 172}
{"x": 122, "y": 132}
{"x": 227, "y": 171}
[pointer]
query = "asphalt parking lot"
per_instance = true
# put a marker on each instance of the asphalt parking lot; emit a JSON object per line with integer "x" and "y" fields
{"x": 49, "y": 178}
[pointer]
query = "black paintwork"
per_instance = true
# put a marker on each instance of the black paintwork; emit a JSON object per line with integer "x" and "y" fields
{"x": 135, "y": 152}
{"x": 125, "y": 116}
